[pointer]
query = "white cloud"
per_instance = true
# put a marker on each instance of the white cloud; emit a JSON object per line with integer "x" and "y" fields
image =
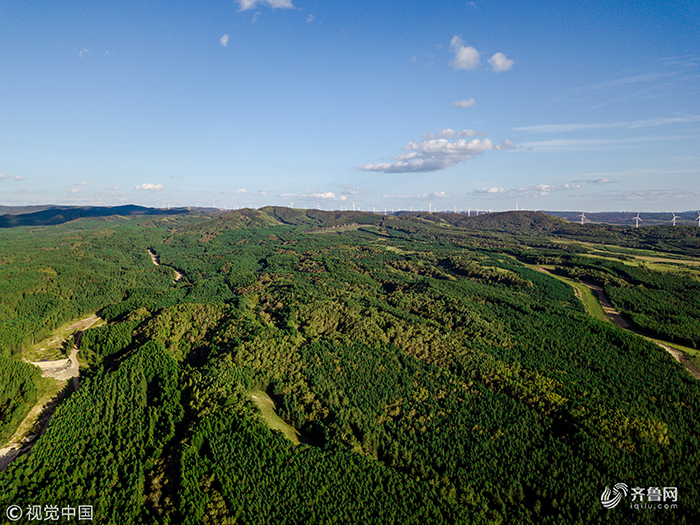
{"x": 598, "y": 182}
{"x": 539, "y": 190}
{"x": 83, "y": 53}
{"x": 83, "y": 183}
{"x": 223, "y": 41}
{"x": 310, "y": 195}
{"x": 20, "y": 178}
{"x": 75, "y": 190}
{"x": 500, "y": 63}
{"x": 434, "y": 195}
{"x": 350, "y": 190}
{"x": 448, "y": 133}
{"x": 274, "y": 4}
{"x": 653, "y": 196}
{"x": 596, "y": 144}
{"x": 633, "y": 124}
{"x": 466, "y": 57}
{"x": 464, "y": 103}
{"x": 149, "y": 187}
{"x": 3, "y": 177}
{"x": 310, "y": 19}
{"x": 237, "y": 192}
{"x": 646, "y": 77}
{"x": 112, "y": 188}
{"x": 436, "y": 154}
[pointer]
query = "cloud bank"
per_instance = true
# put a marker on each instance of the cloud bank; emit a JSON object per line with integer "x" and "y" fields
{"x": 634, "y": 124}
{"x": 310, "y": 195}
{"x": 438, "y": 151}
{"x": 539, "y": 190}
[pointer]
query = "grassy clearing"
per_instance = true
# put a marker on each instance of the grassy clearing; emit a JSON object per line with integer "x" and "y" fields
{"x": 587, "y": 297}
{"x": 267, "y": 411}
{"x": 58, "y": 344}
{"x": 583, "y": 292}
{"x": 339, "y": 229}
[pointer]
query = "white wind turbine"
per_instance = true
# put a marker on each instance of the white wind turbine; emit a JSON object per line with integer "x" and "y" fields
{"x": 583, "y": 217}
{"x": 674, "y": 218}
{"x": 698, "y": 218}
{"x": 637, "y": 220}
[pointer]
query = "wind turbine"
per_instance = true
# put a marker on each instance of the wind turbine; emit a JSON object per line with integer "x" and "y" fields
{"x": 674, "y": 218}
{"x": 583, "y": 217}
{"x": 698, "y": 219}
{"x": 637, "y": 220}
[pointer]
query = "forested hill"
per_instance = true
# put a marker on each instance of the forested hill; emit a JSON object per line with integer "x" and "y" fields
{"x": 53, "y": 215}
{"x": 424, "y": 368}
{"x": 502, "y": 227}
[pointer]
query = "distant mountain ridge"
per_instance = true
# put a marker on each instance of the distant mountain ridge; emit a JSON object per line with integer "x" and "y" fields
{"x": 508, "y": 221}
{"x": 52, "y": 215}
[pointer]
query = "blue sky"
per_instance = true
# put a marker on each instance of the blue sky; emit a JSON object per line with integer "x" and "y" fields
{"x": 376, "y": 105}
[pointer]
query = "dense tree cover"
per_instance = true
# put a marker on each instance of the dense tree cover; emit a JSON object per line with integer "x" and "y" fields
{"x": 432, "y": 379}
{"x": 102, "y": 441}
{"x": 18, "y": 393}
{"x": 51, "y": 275}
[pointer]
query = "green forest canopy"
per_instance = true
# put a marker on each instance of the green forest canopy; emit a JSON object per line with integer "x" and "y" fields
{"x": 433, "y": 377}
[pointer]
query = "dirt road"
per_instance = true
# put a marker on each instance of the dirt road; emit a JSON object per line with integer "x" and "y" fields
{"x": 38, "y": 417}
{"x": 622, "y": 323}
{"x": 156, "y": 261}
{"x": 60, "y": 369}
{"x": 613, "y": 314}
{"x": 24, "y": 437}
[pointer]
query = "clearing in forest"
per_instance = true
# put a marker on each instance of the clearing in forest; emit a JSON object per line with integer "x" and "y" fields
{"x": 267, "y": 409}
{"x": 56, "y": 345}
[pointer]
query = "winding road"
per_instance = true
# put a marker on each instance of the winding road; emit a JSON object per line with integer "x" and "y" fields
{"x": 156, "y": 261}
{"x": 34, "y": 424}
{"x": 620, "y": 321}
{"x": 616, "y": 318}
